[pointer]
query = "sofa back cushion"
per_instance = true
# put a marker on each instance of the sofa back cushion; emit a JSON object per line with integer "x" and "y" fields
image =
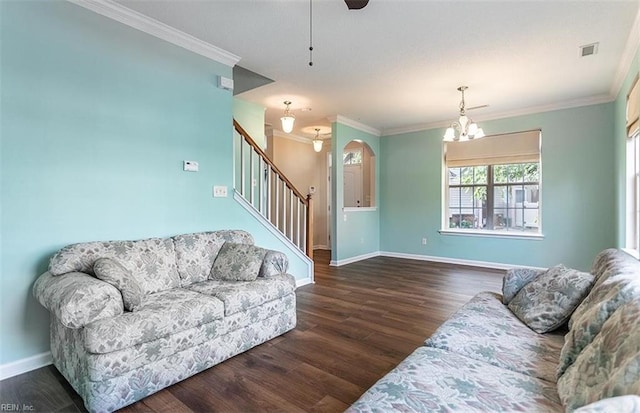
{"x": 196, "y": 253}
{"x": 609, "y": 365}
{"x": 617, "y": 282}
{"x": 152, "y": 262}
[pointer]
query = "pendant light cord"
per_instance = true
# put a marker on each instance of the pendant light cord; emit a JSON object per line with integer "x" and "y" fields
{"x": 310, "y": 32}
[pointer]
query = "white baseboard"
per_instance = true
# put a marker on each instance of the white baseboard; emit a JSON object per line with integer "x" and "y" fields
{"x": 24, "y": 365}
{"x": 357, "y": 258}
{"x": 304, "y": 281}
{"x": 458, "y": 261}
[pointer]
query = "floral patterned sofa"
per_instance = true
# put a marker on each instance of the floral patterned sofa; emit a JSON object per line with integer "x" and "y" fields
{"x": 129, "y": 318}
{"x": 488, "y": 358}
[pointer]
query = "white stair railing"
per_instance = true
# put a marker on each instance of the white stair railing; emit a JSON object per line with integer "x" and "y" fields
{"x": 271, "y": 194}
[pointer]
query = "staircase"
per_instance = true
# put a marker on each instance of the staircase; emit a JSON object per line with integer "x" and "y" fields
{"x": 269, "y": 193}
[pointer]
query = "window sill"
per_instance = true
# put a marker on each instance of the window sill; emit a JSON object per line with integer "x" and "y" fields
{"x": 359, "y": 209}
{"x": 632, "y": 252}
{"x": 491, "y": 234}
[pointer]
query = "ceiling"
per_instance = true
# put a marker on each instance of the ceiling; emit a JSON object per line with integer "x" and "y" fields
{"x": 395, "y": 65}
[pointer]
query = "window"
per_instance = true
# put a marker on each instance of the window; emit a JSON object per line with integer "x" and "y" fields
{"x": 352, "y": 156}
{"x": 633, "y": 170}
{"x": 494, "y": 184}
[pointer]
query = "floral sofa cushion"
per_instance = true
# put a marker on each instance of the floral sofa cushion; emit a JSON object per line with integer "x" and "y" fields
{"x": 238, "y": 262}
{"x": 159, "y": 315}
{"x": 242, "y": 295}
{"x": 604, "y": 300}
{"x": 547, "y": 302}
{"x": 611, "y": 262}
{"x": 106, "y": 366}
{"x": 152, "y": 262}
{"x": 111, "y": 271}
{"x": 196, "y": 253}
{"x": 610, "y": 365}
{"x": 621, "y": 404}
{"x": 484, "y": 329}
{"x": 609, "y": 266}
{"x": 432, "y": 379}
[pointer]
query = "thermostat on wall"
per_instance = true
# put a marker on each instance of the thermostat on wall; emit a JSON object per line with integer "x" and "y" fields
{"x": 191, "y": 166}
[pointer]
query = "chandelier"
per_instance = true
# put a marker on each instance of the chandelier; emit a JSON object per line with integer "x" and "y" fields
{"x": 467, "y": 128}
{"x": 287, "y": 119}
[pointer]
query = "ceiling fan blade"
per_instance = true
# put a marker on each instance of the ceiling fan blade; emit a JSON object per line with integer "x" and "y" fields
{"x": 478, "y": 107}
{"x": 356, "y": 4}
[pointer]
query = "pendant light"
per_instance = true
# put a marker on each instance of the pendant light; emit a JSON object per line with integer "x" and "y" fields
{"x": 287, "y": 119}
{"x": 317, "y": 142}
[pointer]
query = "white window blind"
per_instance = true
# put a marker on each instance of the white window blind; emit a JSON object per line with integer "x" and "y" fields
{"x": 509, "y": 148}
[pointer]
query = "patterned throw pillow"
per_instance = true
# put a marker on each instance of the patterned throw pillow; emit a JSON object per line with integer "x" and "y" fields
{"x": 111, "y": 271}
{"x": 548, "y": 301}
{"x": 238, "y": 262}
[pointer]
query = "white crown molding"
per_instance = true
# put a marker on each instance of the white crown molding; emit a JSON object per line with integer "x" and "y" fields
{"x": 354, "y": 124}
{"x": 280, "y": 134}
{"x": 567, "y": 104}
{"x": 633, "y": 43}
{"x": 139, "y": 21}
{"x": 24, "y": 365}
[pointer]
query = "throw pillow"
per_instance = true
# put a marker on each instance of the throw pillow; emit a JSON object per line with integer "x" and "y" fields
{"x": 111, "y": 271}
{"x": 515, "y": 279}
{"x": 238, "y": 262}
{"x": 548, "y": 301}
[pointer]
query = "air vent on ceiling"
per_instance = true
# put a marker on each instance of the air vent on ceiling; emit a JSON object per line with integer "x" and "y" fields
{"x": 588, "y": 49}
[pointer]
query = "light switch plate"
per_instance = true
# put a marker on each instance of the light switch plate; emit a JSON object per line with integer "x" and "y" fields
{"x": 219, "y": 191}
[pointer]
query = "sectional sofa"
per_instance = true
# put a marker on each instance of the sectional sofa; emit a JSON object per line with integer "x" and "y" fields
{"x": 556, "y": 340}
{"x": 129, "y": 318}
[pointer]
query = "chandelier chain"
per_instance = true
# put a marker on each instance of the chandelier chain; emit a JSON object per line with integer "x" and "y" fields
{"x": 310, "y": 32}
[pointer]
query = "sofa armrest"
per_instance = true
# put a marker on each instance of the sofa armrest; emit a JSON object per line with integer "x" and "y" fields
{"x": 274, "y": 263}
{"x": 77, "y": 299}
{"x": 515, "y": 279}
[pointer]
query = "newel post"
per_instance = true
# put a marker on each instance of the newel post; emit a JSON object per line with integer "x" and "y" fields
{"x": 309, "y": 226}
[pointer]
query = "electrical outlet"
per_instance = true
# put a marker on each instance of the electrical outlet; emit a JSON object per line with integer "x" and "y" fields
{"x": 219, "y": 191}
{"x": 424, "y": 241}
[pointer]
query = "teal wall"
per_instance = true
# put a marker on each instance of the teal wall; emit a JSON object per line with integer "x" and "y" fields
{"x": 251, "y": 117}
{"x": 620, "y": 137}
{"x": 360, "y": 233}
{"x": 96, "y": 121}
{"x": 578, "y": 192}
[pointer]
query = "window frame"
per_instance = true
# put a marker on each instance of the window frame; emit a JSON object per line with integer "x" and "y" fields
{"x": 489, "y": 205}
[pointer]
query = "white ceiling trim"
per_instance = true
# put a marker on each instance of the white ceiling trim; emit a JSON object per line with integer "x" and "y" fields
{"x": 568, "y": 104}
{"x": 354, "y": 124}
{"x": 279, "y": 134}
{"x": 633, "y": 42}
{"x": 139, "y": 21}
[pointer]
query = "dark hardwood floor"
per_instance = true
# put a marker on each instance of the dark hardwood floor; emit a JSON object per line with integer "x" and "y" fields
{"x": 354, "y": 325}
